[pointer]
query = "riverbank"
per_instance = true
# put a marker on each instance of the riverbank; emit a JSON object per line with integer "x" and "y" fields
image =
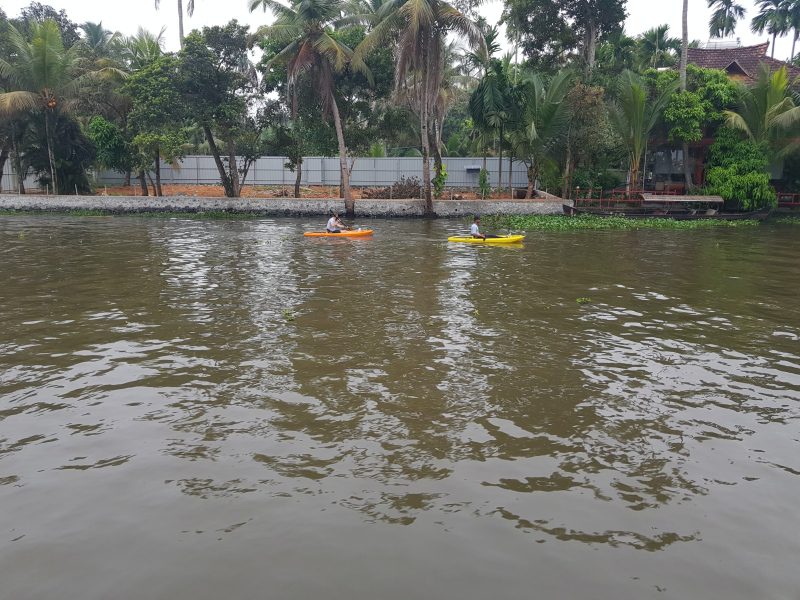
{"x": 274, "y": 206}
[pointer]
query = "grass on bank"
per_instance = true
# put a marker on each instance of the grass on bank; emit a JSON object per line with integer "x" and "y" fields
{"x": 594, "y": 222}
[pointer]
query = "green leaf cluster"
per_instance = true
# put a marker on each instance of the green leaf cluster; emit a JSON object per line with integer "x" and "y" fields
{"x": 113, "y": 151}
{"x": 738, "y": 171}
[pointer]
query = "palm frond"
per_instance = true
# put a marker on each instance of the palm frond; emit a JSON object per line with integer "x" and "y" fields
{"x": 18, "y": 102}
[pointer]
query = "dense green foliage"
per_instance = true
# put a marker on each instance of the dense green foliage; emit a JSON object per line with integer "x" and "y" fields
{"x": 738, "y": 171}
{"x": 579, "y": 102}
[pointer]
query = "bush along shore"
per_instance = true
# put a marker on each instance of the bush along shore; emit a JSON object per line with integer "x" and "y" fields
{"x": 592, "y": 222}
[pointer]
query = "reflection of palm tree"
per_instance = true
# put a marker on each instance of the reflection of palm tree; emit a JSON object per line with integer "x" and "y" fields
{"x": 772, "y": 18}
{"x": 724, "y": 18}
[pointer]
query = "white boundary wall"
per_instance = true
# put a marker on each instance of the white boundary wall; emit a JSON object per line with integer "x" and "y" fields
{"x": 367, "y": 172}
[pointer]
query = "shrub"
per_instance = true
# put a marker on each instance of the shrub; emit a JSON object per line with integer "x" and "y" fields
{"x": 406, "y": 187}
{"x": 749, "y": 190}
{"x": 439, "y": 181}
{"x": 483, "y": 183}
{"x": 738, "y": 171}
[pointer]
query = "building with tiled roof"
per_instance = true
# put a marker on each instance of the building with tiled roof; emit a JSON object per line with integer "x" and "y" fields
{"x": 740, "y": 62}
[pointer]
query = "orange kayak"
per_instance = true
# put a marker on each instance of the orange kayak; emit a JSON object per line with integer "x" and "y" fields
{"x": 355, "y": 233}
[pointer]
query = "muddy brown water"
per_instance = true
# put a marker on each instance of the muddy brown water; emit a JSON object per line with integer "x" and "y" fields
{"x": 225, "y": 409}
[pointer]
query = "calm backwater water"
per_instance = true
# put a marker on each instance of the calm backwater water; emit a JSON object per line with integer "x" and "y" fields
{"x": 225, "y": 409}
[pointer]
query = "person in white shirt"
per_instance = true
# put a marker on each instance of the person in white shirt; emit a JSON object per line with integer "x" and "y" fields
{"x": 475, "y": 229}
{"x": 334, "y": 224}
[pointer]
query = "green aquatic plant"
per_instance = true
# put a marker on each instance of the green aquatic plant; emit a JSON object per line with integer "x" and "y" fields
{"x": 592, "y": 222}
{"x": 788, "y": 220}
{"x": 288, "y": 314}
{"x": 583, "y": 300}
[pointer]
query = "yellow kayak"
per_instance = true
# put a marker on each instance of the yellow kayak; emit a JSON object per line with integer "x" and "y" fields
{"x": 356, "y": 233}
{"x": 503, "y": 239}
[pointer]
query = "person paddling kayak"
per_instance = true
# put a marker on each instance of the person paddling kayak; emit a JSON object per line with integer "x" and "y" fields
{"x": 475, "y": 230}
{"x": 334, "y": 224}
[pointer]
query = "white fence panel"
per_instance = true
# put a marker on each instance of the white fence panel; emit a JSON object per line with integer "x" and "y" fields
{"x": 271, "y": 170}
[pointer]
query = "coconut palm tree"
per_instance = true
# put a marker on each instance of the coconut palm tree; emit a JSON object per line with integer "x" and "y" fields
{"x": 634, "y": 117}
{"x": 142, "y": 49}
{"x": 98, "y": 40}
{"x": 772, "y": 18}
{"x": 419, "y": 29}
{"x": 724, "y": 18}
{"x": 767, "y": 112}
{"x": 687, "y": 172}
{"x": 617, "y": 52}
{"x": 684, "y": 43}
{"x": 310, "y": 49}
{"x": 189, "y": 11}
{"x": 657, "y": 48}
{"x": 494, "y": 102}
{"x": 362, "y": 12}
{"x": 793, "y": 18}
{"x": 43, "y": 80}
{"x": 543, "y": 122}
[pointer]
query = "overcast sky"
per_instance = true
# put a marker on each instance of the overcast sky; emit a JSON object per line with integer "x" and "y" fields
{"x": 125, "y": 16}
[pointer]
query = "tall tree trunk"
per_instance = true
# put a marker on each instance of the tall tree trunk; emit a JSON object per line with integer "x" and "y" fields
{"x": 127, "y": 181}
{"x": 17, "y": 160}
{"x": 794, "y": 44}
{"x": 684, "y": 44}
{"x": 591, "y": 46}
{"x": 687, "y": 169}
{"x": 224, "y": 178}
{"x": 349, "y": 204}
{"x": 423, "y": 121}
{"x": 4, "y": 153}
{"x": 633, "y": 179}
{"x": 159, "y": 192}
{"x": 500, "y": 161}
{"x": 297, "y": 177}
{"x": 180, "y": 22}
{"x": 50, "y": 156}
{"x": 233, "y": 167}
{"x": 152, "y": 183}
{"x": 565, "y": 183}
{"x": 687, "y": 172}
{"x": 532, "y": 176}
{"x": 437, "y": 154}
{"x": 143, "y": 184}
{"x": 774, "y": 37}
{"x": 511, "y": 172}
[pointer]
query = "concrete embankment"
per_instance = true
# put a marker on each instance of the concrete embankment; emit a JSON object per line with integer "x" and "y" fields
{"x": 276, "y": 206}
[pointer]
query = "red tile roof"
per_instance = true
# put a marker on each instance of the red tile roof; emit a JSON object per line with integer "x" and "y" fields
{"x": 744, "y": 60}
